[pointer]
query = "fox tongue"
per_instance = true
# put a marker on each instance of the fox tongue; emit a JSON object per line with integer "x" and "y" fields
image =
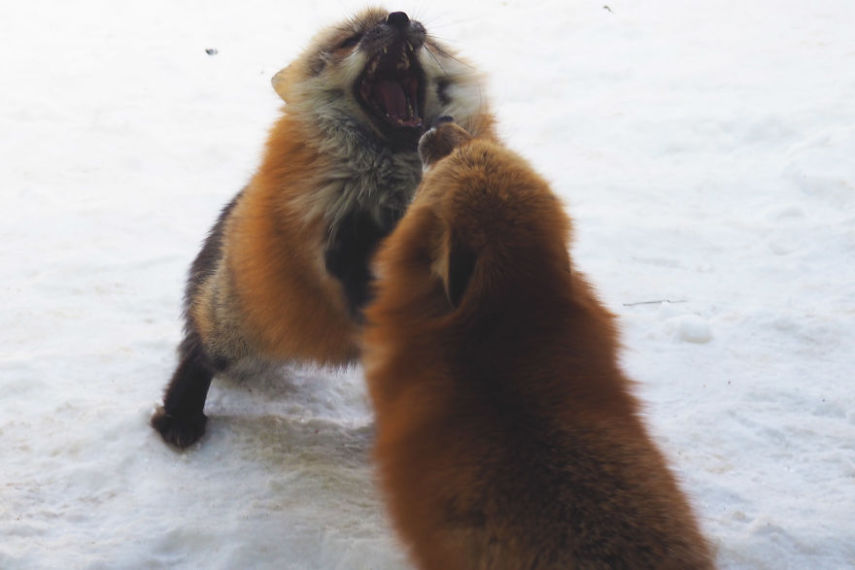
{"x": 391, "y": 95}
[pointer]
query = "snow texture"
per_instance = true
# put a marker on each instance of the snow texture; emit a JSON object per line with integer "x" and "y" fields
{"x": 706, "y": 151}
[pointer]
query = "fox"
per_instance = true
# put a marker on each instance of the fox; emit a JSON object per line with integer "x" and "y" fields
{"x": 283, "y": 274}
{"x": 507, "y": 436}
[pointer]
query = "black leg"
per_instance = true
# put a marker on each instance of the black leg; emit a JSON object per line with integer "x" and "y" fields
{"x": 181, "y": 421}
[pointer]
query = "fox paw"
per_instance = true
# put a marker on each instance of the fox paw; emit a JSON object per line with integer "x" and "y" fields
{"x": 178, "y": 431}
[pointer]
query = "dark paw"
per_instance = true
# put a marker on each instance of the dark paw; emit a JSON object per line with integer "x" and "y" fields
{"x": 178, "y": 431}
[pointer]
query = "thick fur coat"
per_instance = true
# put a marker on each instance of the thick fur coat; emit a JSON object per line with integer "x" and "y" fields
{"x": 507, "y": 436}
{"x": 285, "y": 272}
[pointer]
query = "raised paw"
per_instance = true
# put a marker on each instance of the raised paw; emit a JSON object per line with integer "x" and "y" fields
{"x": 440, "y": 140}
{"x": 178, "y": 431}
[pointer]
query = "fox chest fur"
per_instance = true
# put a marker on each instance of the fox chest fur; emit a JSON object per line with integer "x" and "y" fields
{"x": 296, "y": 247}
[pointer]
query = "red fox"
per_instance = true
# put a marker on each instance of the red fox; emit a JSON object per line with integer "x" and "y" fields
{"x": 284, "y": 272}
{"x": 507, "y": 436}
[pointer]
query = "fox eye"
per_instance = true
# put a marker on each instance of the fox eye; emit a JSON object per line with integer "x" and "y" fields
{"x": 350, "y": 42}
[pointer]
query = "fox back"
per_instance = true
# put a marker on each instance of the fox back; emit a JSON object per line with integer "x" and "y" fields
{"x": 507, "y": 436}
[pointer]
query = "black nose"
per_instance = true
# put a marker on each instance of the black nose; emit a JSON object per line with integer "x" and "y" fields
{"x": 397, "y": 20}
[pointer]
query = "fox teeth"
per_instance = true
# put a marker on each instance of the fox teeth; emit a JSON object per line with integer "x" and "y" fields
{"x": 404, "y": 64}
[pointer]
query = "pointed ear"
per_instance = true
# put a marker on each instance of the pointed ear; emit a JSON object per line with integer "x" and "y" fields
{"x": 280, "y": 82}
{"x": 461, "y": 266}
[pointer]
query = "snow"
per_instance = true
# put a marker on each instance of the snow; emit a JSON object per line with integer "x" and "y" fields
{"x": 705, "y": 151}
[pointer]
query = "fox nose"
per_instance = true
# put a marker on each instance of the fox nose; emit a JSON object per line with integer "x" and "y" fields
{"x": 397, "y": 20}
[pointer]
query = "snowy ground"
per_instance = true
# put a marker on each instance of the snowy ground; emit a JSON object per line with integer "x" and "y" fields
{"x": 706, "y": 152}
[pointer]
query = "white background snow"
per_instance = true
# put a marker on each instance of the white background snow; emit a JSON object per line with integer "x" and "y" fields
{"x": 706, "y": 151}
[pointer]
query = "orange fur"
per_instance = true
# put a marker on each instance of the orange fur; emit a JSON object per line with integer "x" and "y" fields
{"x": 507, "y": 436}
{"x": 284, "y": 272}
{"x": 292, "y": 306}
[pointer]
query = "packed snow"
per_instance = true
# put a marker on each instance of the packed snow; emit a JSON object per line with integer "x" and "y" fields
{"x": 705, "y": 150}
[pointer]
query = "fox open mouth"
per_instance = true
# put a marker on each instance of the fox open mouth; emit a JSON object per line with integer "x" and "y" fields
{"x": 391, "y": 87}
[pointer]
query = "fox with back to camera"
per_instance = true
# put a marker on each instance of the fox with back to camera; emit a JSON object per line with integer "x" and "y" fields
{"x": 284, "y": 272}
{"x": 507, "y": 435}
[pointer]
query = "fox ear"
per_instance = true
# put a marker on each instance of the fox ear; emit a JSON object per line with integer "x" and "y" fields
{"x": 280, "y": 82}
{"x": 461, "y": 265}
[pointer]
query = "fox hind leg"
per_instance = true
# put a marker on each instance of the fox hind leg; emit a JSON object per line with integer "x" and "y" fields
{"x": 181, "y": 419}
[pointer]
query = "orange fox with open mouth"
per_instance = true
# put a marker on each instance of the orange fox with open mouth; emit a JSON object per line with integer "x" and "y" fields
{"x": 284, "y": 273}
